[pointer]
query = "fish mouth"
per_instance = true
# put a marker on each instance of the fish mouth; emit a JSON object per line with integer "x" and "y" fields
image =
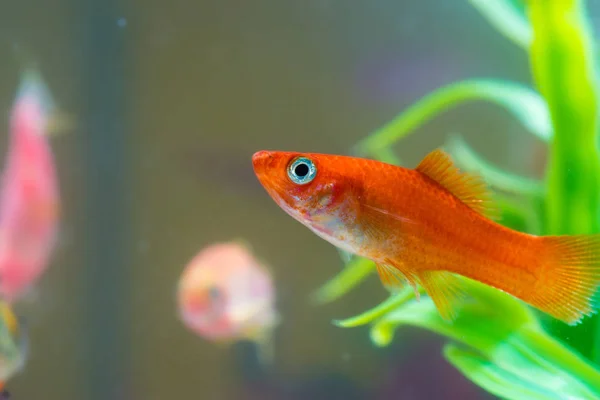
{"x": 265, "y": 164}
{"x": 261, "y": 155}
{"x": 262, "y": 162}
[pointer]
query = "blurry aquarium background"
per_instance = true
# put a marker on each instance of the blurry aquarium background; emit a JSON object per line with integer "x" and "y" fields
{"x": 169, "y": 102}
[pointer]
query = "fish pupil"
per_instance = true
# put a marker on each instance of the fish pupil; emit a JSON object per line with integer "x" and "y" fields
{"x": 301, "y": 170}
{"x": 214, "y": 293}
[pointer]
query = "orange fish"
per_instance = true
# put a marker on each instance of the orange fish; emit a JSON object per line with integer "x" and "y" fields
{"x": 29, "y": 198}
{"x": 429, "y": 224}
{"x": 226, "y": 295}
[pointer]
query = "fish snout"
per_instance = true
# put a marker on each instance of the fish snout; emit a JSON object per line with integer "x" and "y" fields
{"x": 262, "y": 158}
{"x": 262, "y": 161}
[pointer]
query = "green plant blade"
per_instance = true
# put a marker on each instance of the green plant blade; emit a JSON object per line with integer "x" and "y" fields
{"x": 386, "y": 155}
{"x": 508, "y": 17}
{"x": 555, "y": 356}
{"x": 390, "y": 304}
{"x": 483, "y": 303}
{"x": 522, "y": 357}
{"x": 512, "y": 353}
{"x": 563, "y": 65}
{"x": 469, "y": 160}
{"x": 524, "y": 103}
{"x": 357, "y": 270}
{"x": 520, "y": 214}
{"x": 498, "y": 381}
{"x": 532, "y": 358}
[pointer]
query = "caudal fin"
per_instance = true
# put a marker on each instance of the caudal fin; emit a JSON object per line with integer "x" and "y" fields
{"x": 569, "y": 277}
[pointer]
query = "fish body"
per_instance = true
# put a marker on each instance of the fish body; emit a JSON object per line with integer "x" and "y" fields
{"x": 226, "y": 295}
{"x": 29, "y": 198}
{"x": 427, "y": 225}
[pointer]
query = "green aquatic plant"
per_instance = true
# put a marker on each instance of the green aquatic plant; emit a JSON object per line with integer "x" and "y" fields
{"x": 517, "y": 352}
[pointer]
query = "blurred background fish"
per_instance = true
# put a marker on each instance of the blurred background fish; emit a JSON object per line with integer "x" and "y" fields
{"x": 29, "y": 202}
{"x": 226, "y": 295}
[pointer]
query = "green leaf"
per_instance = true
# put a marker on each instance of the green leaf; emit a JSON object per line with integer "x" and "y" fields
{"x": 500, "y": 382}
{"x": 485, "y": 374}
{"x": 563, "y": 65}
{"x": 508, "y": 17}
{"x": 390, "y": 304}
{"x": 469, "y": 160}
{"x": 484, "y": 304}
{"x": 508, "y": 353}
{"x": 386, "y": 155}
{"x": 519, "y": 214}
{"x": 532, "y": 360}
{"x": 353, "y": 274}
{"x": 513, "y": 216}
{"x": 524, "y": 103}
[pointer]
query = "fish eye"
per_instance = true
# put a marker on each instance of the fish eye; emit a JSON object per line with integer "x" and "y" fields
{"x": 302, "y": 170}
{"x": 214, "y": 293}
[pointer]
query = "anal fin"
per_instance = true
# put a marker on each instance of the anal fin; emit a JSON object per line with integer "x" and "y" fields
{"x": 446, "y": 291}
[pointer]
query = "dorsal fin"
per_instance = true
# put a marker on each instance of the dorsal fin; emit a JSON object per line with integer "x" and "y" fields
{"x": 471, "y": 189}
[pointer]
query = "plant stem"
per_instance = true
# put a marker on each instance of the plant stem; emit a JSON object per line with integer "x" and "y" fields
{"x": 352, "y": 274}
{"x": 562, "y": 62}
{"x": 522, "y": 102}
{"x": 468, "y": 159}
{"x": 507, "y": 18}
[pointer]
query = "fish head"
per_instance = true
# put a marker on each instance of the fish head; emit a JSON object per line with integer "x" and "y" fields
{"x": 224, "y": 291}
{"x": 320, "y": 191}
{"x": 203, "y": 299}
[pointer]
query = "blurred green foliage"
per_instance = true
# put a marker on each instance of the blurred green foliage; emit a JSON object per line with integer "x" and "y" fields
{"x": 14, "y": 343}
{"x": 497, "y": 341}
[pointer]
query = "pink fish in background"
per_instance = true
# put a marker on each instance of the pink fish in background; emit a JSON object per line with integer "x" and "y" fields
{"x": 29, "y": 197}
{"x": 225, "y": 295}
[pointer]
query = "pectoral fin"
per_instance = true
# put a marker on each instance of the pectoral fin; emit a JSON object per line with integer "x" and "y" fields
{"x": 393, "y": 275}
